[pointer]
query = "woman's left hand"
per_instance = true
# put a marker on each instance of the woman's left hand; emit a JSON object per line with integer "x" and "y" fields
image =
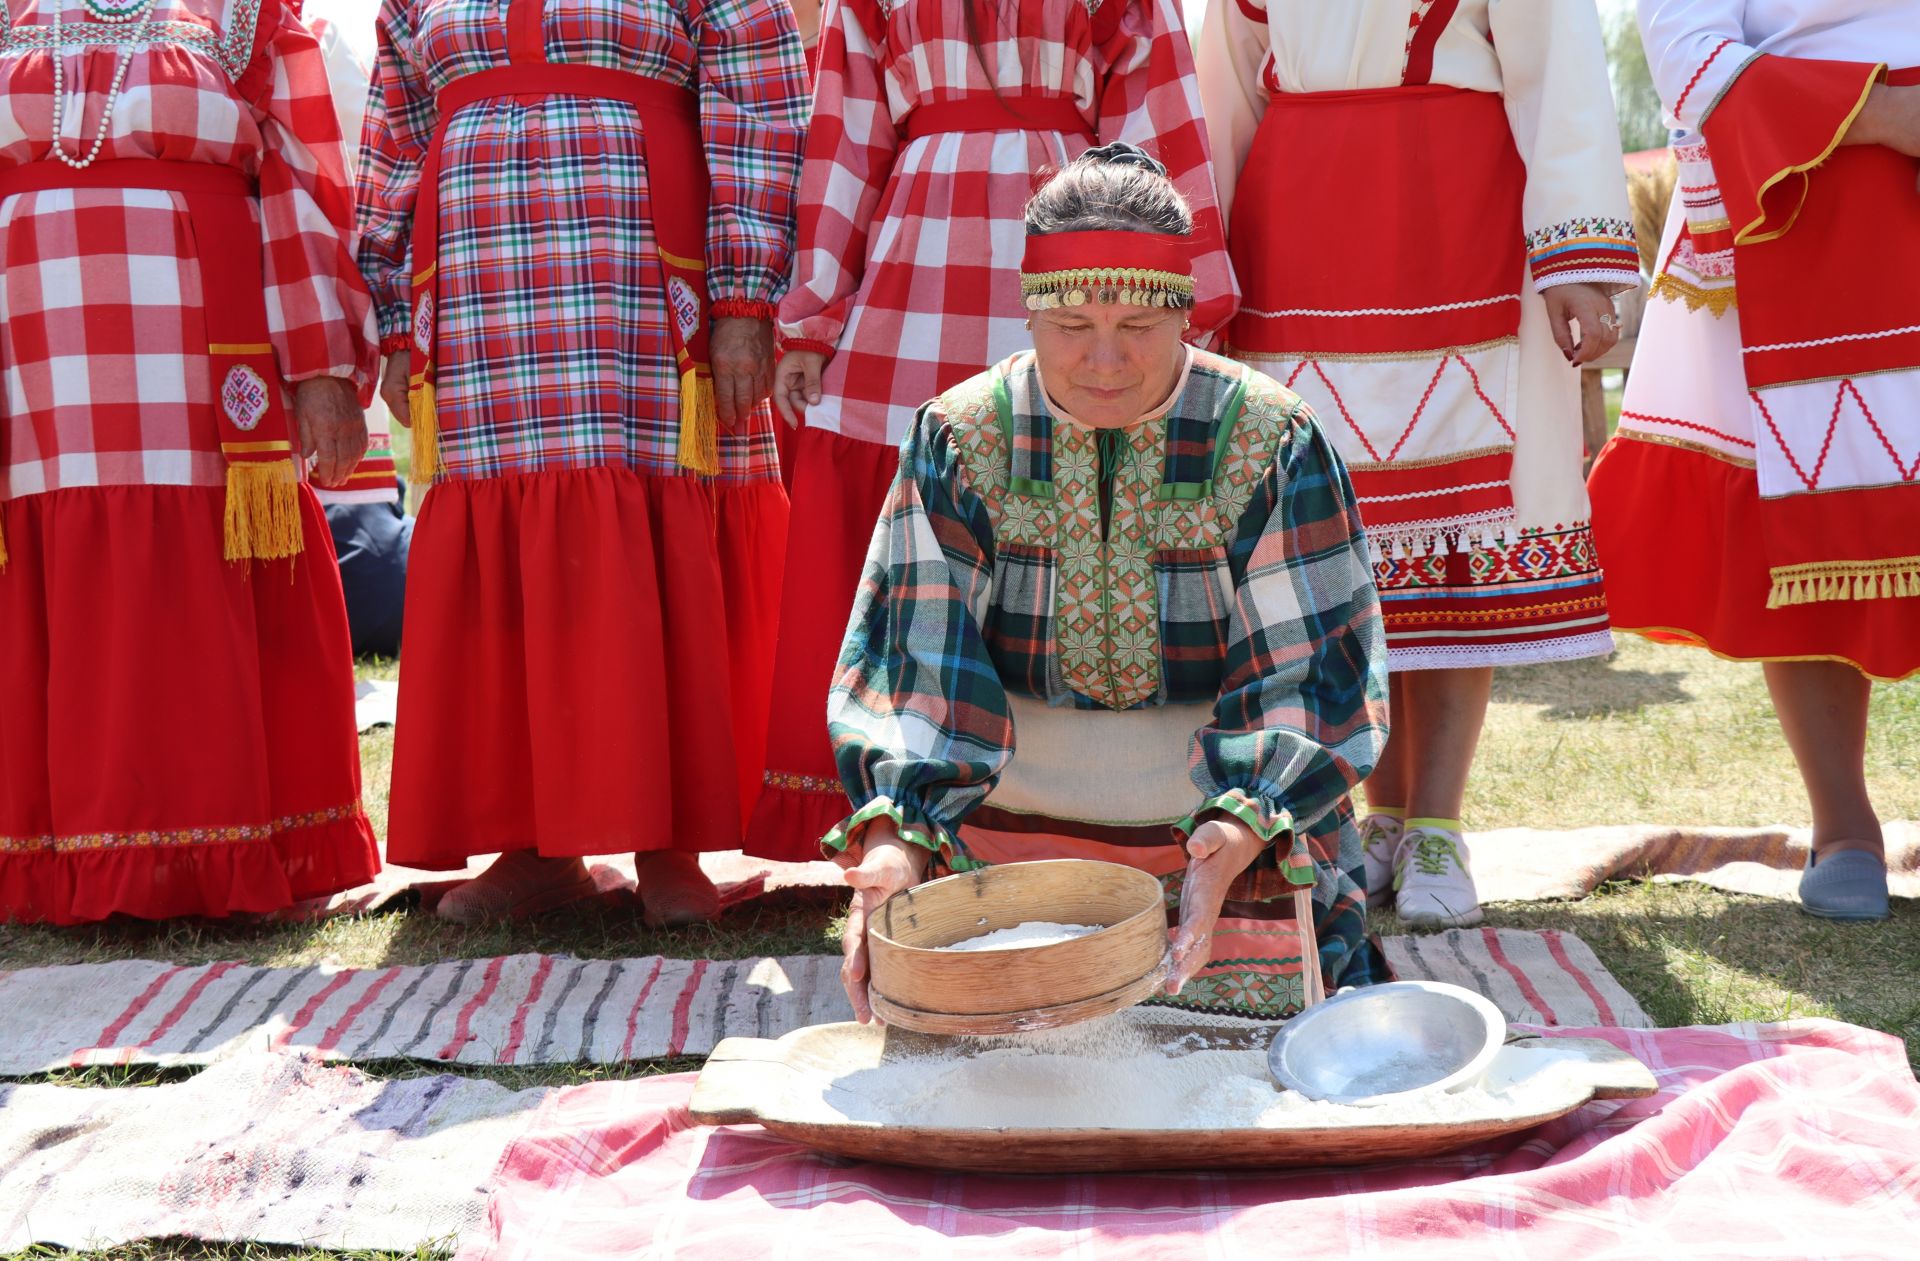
{"x": 742, "y": 354}
{"x": 331, "y": 427}
{"x": 1590, "y": 308}
{"x": 1217, "y": 852}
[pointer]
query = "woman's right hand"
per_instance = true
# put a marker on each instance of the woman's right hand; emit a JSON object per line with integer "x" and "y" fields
{"x": 885, "y": 866}
{"x": 796, "y": 384}
{"x": 393, "y": 386}
{"x": 1890, "y": 117}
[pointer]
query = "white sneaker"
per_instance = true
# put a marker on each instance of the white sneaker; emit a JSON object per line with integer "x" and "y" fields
{"x": 1433, "y": 886}
{"x": 1380, "y": 846}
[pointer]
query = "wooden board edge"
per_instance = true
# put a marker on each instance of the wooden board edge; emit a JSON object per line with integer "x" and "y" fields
{"x": 1611, "y": 1072}
{"x": 732, "y": 1083}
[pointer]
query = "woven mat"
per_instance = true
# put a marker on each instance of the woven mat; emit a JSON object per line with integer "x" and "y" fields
{"x": 273, "y": 1148}
{"x": 550, "y": 1009}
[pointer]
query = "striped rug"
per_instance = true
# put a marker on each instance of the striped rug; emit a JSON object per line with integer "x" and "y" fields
{"x": 550, "y": 1009}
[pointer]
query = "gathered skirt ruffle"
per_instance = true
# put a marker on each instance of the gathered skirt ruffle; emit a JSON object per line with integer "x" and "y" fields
{"x": 176, "y": 731}
{"x": 588, "y": 660}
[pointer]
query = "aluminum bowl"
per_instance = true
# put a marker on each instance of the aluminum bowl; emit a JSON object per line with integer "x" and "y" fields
{"x": 1383, "y": 1044}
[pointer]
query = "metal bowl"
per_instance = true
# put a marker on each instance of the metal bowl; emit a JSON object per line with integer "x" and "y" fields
{"x": 1386, "y": 1043}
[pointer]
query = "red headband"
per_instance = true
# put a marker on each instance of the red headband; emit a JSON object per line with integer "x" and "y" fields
{"x": 1076, "y": 251}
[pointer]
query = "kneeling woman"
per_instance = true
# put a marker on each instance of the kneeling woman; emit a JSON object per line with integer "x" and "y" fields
{"x": 1118, "y": 606}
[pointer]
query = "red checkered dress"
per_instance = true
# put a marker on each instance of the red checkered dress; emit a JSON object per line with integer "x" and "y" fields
{"x": 909, "y": 251}
{"x": 102, "y": 332}
{"x": 908, "y": 269}
{"x": 551, "y": 340}
{"x": 589, "y": 624}
{"x": 176, "y": 732}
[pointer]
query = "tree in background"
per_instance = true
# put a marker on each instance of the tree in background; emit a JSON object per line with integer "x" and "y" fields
{"x": 1635, "y": 102}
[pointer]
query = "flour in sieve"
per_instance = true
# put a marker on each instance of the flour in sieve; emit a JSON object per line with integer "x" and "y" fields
{"x": 1031, "y": 933}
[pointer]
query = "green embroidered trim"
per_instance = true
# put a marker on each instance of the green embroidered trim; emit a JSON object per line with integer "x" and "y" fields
{"x": 1230, "y": 420}
{"x": 1184, "y": 492}
{"x": 1269, "y": 825}
{"x": 1106, "y": 594}
{"x": 914, "y": 830}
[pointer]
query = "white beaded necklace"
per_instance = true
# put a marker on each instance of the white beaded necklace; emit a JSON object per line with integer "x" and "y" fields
{"x": 143, "y": 15}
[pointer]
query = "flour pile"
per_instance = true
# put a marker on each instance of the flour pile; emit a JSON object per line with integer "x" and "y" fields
{"x": 1124, "y": 1073}
{"x": 1031, "y": 933}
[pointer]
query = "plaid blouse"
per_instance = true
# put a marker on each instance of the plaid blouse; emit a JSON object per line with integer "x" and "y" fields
{"x": 552, "y": 340}
{"x": 1211, "y": 555}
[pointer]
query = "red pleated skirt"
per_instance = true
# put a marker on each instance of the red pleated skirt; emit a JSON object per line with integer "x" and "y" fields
{"x": 839, "y": 485}
{"x": 587, "y": 665}
{"x": 176, "y": 732}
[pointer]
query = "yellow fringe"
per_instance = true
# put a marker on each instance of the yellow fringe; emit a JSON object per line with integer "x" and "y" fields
{"x": 263, "y": 511}
{"x": 1669, "y": 288}
{"x": 699, "y": 425}
{"x": 1895, "y": 579}
{"x": 424, "y": 424}
{"x": 3, "y": 546}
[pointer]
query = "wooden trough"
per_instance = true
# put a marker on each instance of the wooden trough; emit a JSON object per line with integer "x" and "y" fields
{"x": 769, "y": 1083}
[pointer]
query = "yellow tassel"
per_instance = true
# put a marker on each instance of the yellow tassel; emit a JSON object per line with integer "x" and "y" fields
{"x": 424, "y": 462}
{"x": 3, "y": 546}
{"x": 699, "y": 425}
{"x": 263, "y": 511}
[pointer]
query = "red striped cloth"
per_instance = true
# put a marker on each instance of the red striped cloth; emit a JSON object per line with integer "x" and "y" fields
{"x": 1790, "y": 1140}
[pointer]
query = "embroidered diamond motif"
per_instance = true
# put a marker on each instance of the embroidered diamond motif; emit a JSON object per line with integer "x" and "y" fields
{"x": 244, "y": 397}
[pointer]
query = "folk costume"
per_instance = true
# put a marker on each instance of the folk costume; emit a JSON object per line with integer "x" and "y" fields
{"x": 919, "y": 163}
{"x": 1080, "y": 642}
{"x": 1762, "y": 495}
{"x": 1479, "y": 165}
{"x": 176, "y": 690}
{"x": 557, "y": 197}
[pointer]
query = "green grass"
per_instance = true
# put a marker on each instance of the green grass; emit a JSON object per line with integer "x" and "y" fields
{"x": 1653, "y": 734}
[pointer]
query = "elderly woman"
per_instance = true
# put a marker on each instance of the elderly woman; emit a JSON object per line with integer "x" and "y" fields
{"x": 1118, "y": 606}
{"x": 930, "y": 119}
{"x": 576, "y": 216}
{"x": 184, "y": 336}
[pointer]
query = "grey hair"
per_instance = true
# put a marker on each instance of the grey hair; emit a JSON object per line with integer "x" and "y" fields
{"x": 1114, "y": 188}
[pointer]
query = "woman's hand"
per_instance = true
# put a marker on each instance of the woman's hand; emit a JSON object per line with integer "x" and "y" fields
{"x": 1590, "y": 308}
{"x": 393, "y": 386}
{"x": 796, "y": 384}
{"x": 331, "y": 426}
{"x": 742, "y": 353}
{"x": 1890, "y": 117}
{"x": 886, "y": 865}
{"x": 1217, "y": 852}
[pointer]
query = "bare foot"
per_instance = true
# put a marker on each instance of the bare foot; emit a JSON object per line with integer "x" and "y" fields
{"x": 673, "y": 890}
{"x": 517, "y": 884}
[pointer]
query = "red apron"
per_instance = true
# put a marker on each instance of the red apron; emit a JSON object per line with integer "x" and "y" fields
{"x": 670, "y": 127}
{"x": 263, "y": 519}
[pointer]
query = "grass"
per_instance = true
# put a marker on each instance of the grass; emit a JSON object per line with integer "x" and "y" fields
{"x": 1652, "y": 734}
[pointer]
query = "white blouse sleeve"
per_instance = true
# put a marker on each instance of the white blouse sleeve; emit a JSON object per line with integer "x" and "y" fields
{"x": 1553, "y": 71}
{"x": 1229, "y": 52}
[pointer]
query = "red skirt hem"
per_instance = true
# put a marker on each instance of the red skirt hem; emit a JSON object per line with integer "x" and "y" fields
{"x": 788, "y": 823}
{"x": 839, "y": 486}
{"x": 176, "y": 732}
{"x": 67, "y": 887}
{"x": 1679, "y": 531}
{"x": 588, "y": 653}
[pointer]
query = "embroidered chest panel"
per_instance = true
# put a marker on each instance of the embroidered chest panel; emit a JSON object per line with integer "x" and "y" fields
{"x": 1176, "y": 486}
{"x": 231, "y": 47}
